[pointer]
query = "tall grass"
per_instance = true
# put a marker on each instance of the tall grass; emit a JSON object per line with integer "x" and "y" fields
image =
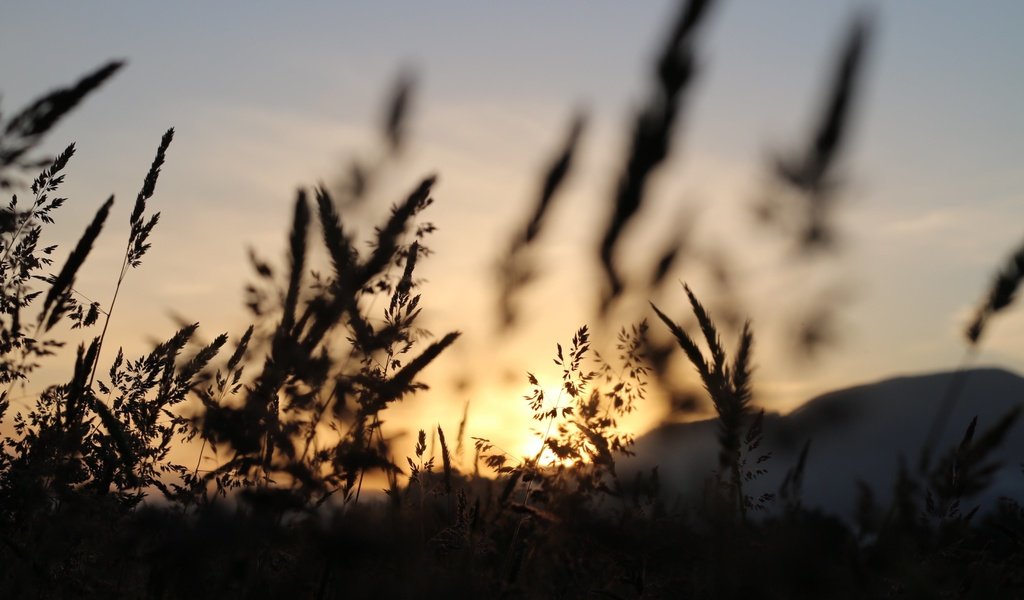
{"x": 292, "y": 421}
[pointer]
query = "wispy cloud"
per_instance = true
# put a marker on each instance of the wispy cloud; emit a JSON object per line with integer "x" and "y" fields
{"x": 930, "y": 223}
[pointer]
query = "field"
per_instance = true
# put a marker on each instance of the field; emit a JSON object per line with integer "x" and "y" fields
{"x": 95, "y": 500}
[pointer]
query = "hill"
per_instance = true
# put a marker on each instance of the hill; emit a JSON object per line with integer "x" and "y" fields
{"x": 860, "y": 433}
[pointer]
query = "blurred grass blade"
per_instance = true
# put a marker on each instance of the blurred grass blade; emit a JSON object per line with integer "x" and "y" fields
{"x": 54, "y": 305}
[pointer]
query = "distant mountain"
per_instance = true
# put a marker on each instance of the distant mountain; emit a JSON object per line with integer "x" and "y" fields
{"x": 859, "y": 433}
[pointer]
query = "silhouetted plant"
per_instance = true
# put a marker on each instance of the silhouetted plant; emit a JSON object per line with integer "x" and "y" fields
{"x": 966, "y": 470}
{"x": 516, "y": 269}
{"x": 294, "y": 418}
{"x": 21, "y": 133}
{"x": 304, "y": 388}
{"x": 579, "y": 434}
{"x": 812, "y": 172}
{"x": 1000, "y": 296}
{"x": 21, "y": 262}
{"x": 652, "y": 133}
{"x": 730, "y": 391}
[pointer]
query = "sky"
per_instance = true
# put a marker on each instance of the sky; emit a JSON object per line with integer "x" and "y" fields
{"x": 266, "y": 98}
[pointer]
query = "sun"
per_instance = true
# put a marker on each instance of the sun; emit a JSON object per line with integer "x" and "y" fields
{"x": 533, "y": 445}
{"x": 514, "y": 433}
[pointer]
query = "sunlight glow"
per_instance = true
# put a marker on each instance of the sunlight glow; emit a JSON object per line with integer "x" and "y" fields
{"x": 540, "y": 431}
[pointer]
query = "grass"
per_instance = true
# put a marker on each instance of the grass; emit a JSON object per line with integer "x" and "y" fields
{"x": 293, "y": 409}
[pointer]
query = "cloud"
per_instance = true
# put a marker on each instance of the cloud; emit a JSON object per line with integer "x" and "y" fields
{"x": 929, "y": 223}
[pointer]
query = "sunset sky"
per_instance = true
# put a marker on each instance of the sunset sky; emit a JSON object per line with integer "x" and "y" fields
{"x": 267, "y": 97}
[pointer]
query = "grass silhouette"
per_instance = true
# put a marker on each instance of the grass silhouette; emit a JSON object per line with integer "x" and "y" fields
{"x": 294, "y": 413}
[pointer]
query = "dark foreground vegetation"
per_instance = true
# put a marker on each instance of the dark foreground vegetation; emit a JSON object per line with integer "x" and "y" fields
{"x": 93, "y": 505}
